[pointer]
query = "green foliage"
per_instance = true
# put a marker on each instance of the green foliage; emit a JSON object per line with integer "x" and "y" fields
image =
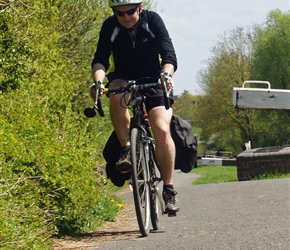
{"x": 273, "y": 175}
{"x": 271, "y": 50}
{"x": 185, "y": 106}
{"x": 46, "y": 150}
{"x": 24, "y": 224}
{"x": 13, "y": 52}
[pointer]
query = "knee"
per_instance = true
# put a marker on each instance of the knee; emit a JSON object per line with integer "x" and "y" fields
{"x": 162, "y": 134}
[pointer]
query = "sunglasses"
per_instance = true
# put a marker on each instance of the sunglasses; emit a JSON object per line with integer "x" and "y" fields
{"x": 128, "y": 12}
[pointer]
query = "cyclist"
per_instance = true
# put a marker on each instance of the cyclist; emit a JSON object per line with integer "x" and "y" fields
{"x": 139, "y": 44}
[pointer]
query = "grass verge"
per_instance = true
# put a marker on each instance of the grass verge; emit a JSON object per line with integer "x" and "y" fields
{"x": 215, "y": 174}
{"x": 219, "y": 174}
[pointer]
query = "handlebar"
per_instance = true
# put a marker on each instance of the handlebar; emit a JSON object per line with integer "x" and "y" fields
{"x": 130, "y": 88}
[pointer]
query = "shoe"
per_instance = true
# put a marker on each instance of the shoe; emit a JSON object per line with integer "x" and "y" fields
{"x": 169, "y": 195}
{"x": 124, "y": 162}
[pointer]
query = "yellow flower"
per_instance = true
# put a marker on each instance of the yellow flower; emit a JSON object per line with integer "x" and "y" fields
{"x": 120, "y": 205}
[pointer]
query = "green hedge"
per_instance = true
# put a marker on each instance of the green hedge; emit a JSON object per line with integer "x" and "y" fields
{"x": 48, "y": 155}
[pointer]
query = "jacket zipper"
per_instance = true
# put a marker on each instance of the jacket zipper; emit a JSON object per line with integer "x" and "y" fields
{"x": 133, "y": 36}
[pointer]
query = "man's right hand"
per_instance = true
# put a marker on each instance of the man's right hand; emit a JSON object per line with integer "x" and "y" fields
{"x": 93, "y": 90}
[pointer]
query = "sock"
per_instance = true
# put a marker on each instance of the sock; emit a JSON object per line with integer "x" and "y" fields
{"x": 125, "y": 148}
{"x": 167, "y": 186}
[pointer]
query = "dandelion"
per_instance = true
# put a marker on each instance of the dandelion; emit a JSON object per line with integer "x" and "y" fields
{"x": 120, "y": 205}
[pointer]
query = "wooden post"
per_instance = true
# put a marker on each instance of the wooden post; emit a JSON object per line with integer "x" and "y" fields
{"x": 261, "y": 98}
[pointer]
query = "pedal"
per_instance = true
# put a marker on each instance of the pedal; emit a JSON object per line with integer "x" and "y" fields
{"x": 171, "y": 214}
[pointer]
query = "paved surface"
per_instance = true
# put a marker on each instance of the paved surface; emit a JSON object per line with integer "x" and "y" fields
{"x": 238, "y": 215}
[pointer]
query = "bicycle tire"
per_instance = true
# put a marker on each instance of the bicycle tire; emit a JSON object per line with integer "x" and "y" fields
{"x": 140, "y": 183}
{"x": 156, "y": 209}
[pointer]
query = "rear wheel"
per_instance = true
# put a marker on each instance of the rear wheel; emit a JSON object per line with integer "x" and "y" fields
{"x": 155, "y": 208}
{"x": 140, "y": 183}
{"x": 155, "y": 198}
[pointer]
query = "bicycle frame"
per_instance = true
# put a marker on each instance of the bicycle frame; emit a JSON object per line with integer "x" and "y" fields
{"x": 143, "y": 126}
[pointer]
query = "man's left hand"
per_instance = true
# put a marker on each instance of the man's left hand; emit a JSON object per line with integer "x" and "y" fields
{"x": 169, "y": 83}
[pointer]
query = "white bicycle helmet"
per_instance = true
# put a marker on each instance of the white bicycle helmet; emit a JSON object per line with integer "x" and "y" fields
{"x": 114, "y": 3}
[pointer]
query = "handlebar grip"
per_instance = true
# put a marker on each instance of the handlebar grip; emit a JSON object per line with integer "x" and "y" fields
{"x": 166, "y": 100}
{"x": 100, "y": 108}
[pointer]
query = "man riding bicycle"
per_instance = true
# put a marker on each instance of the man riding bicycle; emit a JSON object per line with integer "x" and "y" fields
{"x": 139, "y": 44}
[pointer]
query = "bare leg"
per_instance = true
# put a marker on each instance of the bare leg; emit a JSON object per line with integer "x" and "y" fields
{"x": 165, "y": 149}
{"x": 120, "y": 116}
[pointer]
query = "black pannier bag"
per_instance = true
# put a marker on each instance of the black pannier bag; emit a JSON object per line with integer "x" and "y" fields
{"x": 111, "y": 153}
{"x": 185, "y": 144}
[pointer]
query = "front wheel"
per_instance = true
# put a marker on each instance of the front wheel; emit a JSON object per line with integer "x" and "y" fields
{"x": 140, "y": 183}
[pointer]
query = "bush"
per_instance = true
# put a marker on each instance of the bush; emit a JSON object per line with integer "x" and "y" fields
{"x": 48, "y": 180}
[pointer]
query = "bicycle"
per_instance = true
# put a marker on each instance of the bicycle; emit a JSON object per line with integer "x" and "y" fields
{"x": 145, "y": 174}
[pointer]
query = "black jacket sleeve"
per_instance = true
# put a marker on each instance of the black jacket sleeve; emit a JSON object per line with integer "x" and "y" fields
{"x": 104, "y": 46}
{"x": 163, "y": 40}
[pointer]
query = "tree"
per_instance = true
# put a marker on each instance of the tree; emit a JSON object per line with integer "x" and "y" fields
{"x": 271, "y": 56}
{"x": 228, "y": 67}
{"x": 271, "y": 62}
{"x": 185, "y": 106}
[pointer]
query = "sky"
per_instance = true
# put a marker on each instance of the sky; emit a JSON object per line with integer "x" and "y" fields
{"x": 194, "y": 26}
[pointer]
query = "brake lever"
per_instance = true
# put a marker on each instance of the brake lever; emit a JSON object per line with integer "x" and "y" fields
{"x": 91, "y": 112}
{"x": 165, "y": 91}
{"x": 98, "y": 104}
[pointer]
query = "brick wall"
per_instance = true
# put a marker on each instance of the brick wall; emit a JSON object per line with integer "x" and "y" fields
{"x": 251, "y": 163}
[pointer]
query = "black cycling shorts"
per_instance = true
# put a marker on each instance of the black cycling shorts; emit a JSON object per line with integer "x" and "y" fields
{"x": 152, "y": 102}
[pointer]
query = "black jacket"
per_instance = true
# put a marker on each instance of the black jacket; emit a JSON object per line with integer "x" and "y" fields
{"x": 137, "y": 56}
